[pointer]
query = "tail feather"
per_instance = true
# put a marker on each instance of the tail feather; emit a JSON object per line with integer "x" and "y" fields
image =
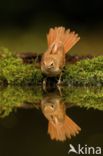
{"x": 69, "y": 39}
{"x": 61, "y": 131}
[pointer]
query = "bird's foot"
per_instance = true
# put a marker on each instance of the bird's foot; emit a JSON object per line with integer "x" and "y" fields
{"x": 59, "y": 89}
{"x": 59, "y": 80}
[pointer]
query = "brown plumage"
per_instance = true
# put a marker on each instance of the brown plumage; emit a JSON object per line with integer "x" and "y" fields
{"x": 60, "y": 126}
{"x": 60, "y": 41}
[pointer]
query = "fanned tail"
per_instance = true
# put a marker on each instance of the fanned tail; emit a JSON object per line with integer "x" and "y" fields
{"x": 68, "y": 38}
{"x": 61, "y": 131}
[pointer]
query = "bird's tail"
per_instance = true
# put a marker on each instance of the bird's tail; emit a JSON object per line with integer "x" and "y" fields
{"x": 68, "y": 38}
{"x": 61, "y": 131}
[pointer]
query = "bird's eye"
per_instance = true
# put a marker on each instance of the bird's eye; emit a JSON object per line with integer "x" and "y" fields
{"x": 52, "y": 106}
{"x": 51, "y": 64}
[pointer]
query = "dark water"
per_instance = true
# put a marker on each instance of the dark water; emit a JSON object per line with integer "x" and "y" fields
{"x": 24, "y": 120}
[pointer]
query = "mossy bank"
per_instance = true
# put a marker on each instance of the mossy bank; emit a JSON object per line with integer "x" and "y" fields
{"x": 17, "y": 97}
{"x": 14, "y": 72}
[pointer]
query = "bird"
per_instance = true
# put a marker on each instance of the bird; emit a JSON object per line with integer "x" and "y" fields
{"x": 60, "y": 125}
{"x": 60, "y": 41}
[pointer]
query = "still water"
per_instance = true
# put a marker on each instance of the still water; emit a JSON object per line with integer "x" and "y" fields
{"x": 34, "y": 122}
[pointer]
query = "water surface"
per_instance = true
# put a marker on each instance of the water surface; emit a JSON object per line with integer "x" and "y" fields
{"x": 26, "y": 112}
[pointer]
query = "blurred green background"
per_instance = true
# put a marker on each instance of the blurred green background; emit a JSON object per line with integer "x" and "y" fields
{"x": 24, "y": 24}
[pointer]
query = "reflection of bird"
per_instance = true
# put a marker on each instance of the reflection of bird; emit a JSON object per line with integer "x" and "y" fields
{"x": 60, "y": 126}
{"x": 60, "y": 41}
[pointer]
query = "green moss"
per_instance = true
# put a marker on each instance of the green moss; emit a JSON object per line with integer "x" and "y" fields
{"x": 15, "y": 72}
{"x": 84, "y": 97}
{"x": 15, "y": 97}
{"x": 85, "y": 72}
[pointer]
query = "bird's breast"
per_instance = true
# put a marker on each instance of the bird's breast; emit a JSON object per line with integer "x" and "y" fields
{"x": 51, "y": 72}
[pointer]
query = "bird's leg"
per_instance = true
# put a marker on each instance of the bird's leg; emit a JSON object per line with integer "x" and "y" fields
{"x": 59, "y": 89}
{"x": 58, "y": 84}
{"x": 44, "y": 84}
{"x": 59, "y": 80}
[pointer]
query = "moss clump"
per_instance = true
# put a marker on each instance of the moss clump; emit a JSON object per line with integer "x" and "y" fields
{"x": 84, "y": 97}
{"x": 15, "y": 72}
{"x": 85, "y": 72}
{"x": 13, "y": 97}
{"x": 16, "y": 97}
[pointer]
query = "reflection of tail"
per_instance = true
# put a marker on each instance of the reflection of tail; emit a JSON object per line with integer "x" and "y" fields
{"x": 69, "y": 39}
{"x": 62, "y": 130}
{"x": 72, "y": 149}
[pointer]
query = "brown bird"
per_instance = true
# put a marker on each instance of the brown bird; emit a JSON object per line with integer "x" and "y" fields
{"x": 60, "y": 41}
{"x": 60, "y": 126}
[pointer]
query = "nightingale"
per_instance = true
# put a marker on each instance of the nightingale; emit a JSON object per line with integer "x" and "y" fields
{"x": 60, "y": 41}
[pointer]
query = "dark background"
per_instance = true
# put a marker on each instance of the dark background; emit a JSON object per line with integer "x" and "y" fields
{"x": 21, "y": 12}
{"x": 23, "y": 24}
